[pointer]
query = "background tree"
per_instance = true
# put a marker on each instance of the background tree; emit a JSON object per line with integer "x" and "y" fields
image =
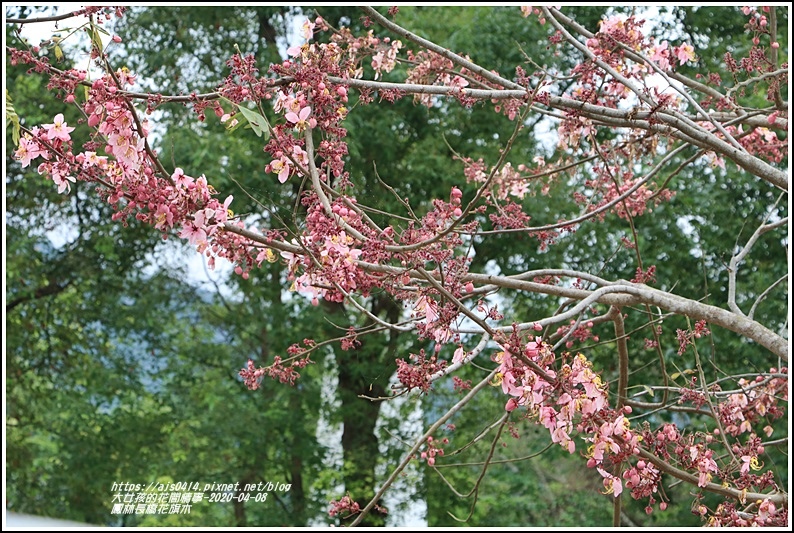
{"x": 106, "y": 345}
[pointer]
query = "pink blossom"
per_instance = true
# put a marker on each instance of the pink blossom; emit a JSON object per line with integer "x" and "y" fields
{"x": 58, "y": 129}
{"x": 127, "y": 150}
{"x": 548, "y": 417}
{"x": 509, "y": 385}
{"x": 684, "y": 53}
{"x": 612, "y": 484}
{"x": 704, "y": 463}
{"x": 532, "y": 348}
{"x": 284, "y": 165}
{"x": 299, "y": 119}
{"x": 163, "y": 216}
{"x": 222, "y": 213}
{"x": 27, "y": 151}
{"x": 428, "y": 307}
{"x": 458, "y": 82}
{"x": 386, "y": 59}
{"x": 94, "y": 160}
{"x": 124, "y": 76}
{"x": 181, "y": 179}
{"x": 346, "y": 504}
{"x": 611, "y": 24}
{"x": 560, "y": 435}
{"x": 280, "y": 167}
{"x": 94, "y": 119}
{"x": 119, "y": 140}
{"x": 661, "y": 55}
{"x": 745, "y": 464}
{"x": 193, "y": 233}
{"x": 766, "y": 509}
{"x": 283, "y": 101}
{"x": 307, "y": 30}
{"x": 63, "y": 182}
{"x": 511, "y": 405}
{"x": 519, "y": 188}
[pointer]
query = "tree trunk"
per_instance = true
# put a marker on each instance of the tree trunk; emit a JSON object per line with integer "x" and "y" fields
{"x": 361, "y": 373}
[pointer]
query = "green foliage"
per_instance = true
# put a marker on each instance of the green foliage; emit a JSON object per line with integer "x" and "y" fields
{"x": 257, "y": 122}
{"x": 12, "y": 119}
{"x": 120, "y": 374}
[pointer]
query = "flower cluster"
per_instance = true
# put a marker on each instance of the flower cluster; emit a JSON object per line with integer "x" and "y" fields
{"x": 433, "y": 449}
{"x": 345, "y": 507}
{"x": 573, "y": 399}
{"x": 685, "y": 337}
{"x": 128, "y": 176}
{"x": 46, "y": 141}
{"x": 758, "y": 399}
{"x": 417, "y": 375}
{"x": 386, "y": 57}
{"x": 577, "y": 332}
{"x": 282, "y": 370}
{"x": 763, "y": 513}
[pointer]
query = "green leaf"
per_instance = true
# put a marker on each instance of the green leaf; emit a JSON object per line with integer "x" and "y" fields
{"x": 96, "y": 40}
{"x": 688, "y": 371}
{"x": 12, "y": 118}
{"x": 258, "y": 122}
{"x": 58, "y": 53}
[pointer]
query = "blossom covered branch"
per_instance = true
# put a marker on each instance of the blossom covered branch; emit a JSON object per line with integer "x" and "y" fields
{"x": 334, "y": 251}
